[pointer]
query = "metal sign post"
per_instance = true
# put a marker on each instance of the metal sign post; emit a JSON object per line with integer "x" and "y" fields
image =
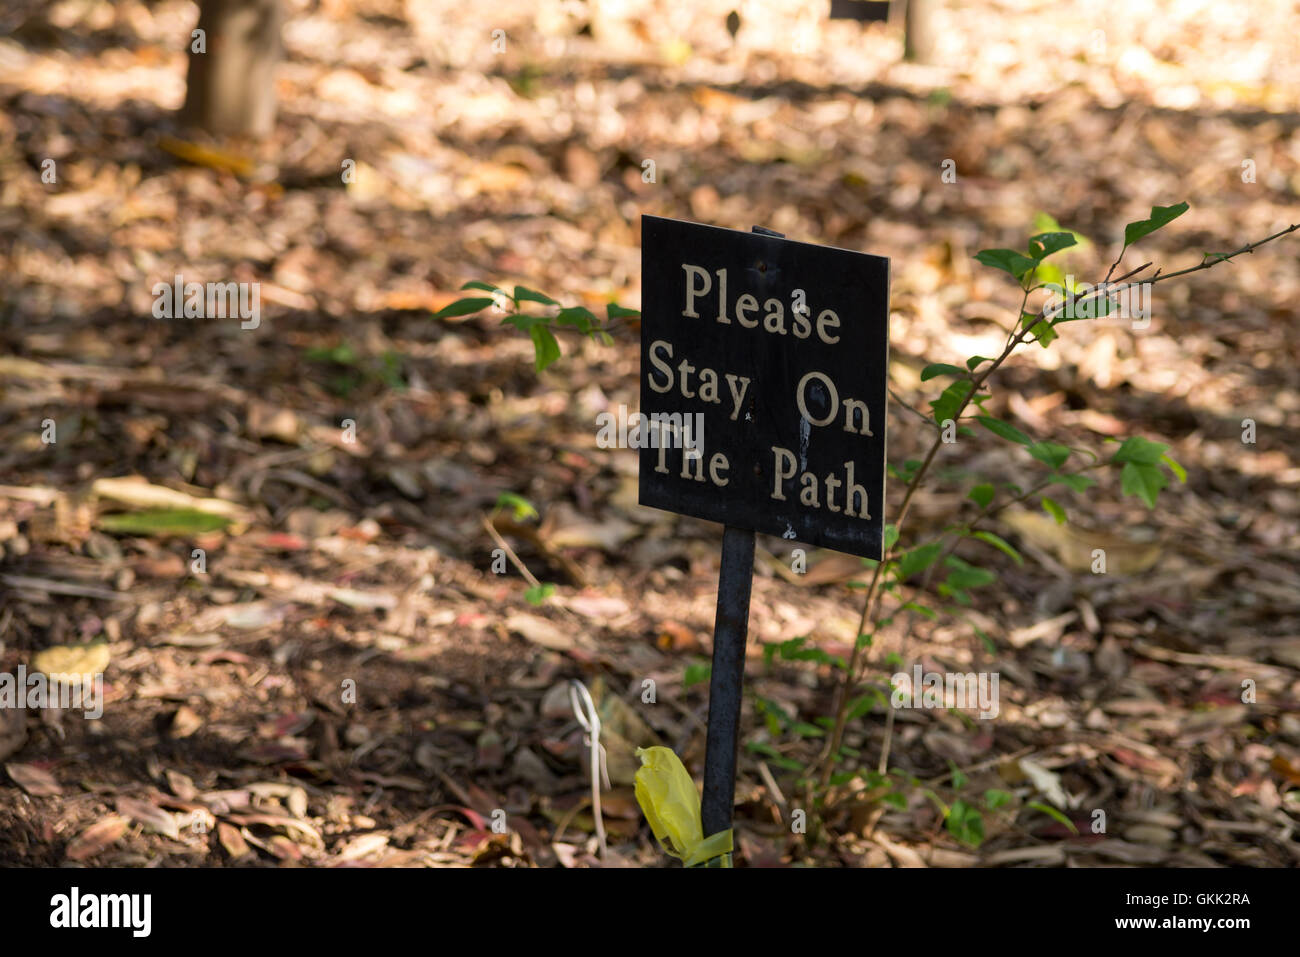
{"x": 763, "y": 370}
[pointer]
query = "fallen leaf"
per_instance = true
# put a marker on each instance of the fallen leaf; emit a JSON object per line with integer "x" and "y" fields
{"x": 97, "y": 838}
{"x": 362, "y": 846}
{"x": 232, "y": 841}
{"x": 1046, "y": 782}
{"x": 71, "y": 662}
{"x": 36, "y": 781}
{"x": 1290, "y": 770}
{"x": 149, "y": 815}
{"x": 1073, "y": 547}
{"x": 136, "y": 492}
{"x": 541, "y": 632}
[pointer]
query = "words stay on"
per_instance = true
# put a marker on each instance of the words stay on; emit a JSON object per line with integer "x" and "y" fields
{"x": 705, "y": 384}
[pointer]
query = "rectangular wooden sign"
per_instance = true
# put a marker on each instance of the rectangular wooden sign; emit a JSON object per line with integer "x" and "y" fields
{"x": 763, "y": 378}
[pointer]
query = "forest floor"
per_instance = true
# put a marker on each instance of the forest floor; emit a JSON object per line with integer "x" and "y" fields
{"x": 357, "y": 445}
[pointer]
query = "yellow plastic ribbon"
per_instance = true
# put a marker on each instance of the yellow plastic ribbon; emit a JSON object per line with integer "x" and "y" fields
{"x": 671, "y": 804}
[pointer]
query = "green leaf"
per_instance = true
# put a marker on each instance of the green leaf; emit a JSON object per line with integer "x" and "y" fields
{"x": 966, "y": 824}
{"x": 1043, "y": 333}
{"x": 1160, "y": 216}
{"x": 806, "y": 730}
{"x": 1073, "y": 481}
{"x": 479, "y": 284}
{"x": 920, "y": 609}
{"x": 1001, "y": 545}
{"x": 163, "y": 521}
{"x": 919, "y": 559}
{"x": 577, "y": 316}
{"x": 544, "y": 345}
{"x": 525, "y": 323}
{"x": 860, "y": 706}
{"x": 995, "y": 798}
{"x": 1053, "y": 509}
{"x": 615, "y": 311}
{"x": 1140, "y": 451}
{"x": 341, "y": 354}
{"x": 959, "y": 779}
{"x": 1179, "y": 472}
{"x": 1044, "y": 223}
{"x": 936, "y": 369}
{"x": 956, "y": 594}
{"x": 1045, "y": 244}
{"x": 1143, "y": 481}
{"x": 974, "y": 362}
{"x": 1054, "y": 814}
{"x": 1008, "y": 260}
{"x": 890, "y": 537}
{"x": 539, "y": 593}
{"x": 463, "y": 307}
{"x": 963, "y": 575}
{"x": 1003, "y": 430}
{"x": 1049, "y": 453}
{"x": 795, "y": 650}
{"x": 522, "y": 507}
{"x": 696, "y": 673}
{"x": 982, "y": 494}
{"x": 945, "y": 407}
{"x": 524, "y": 294}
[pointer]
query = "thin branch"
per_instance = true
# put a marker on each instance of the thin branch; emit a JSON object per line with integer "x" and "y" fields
{"x": 510, "y": 552}
{"x": 870, "y": 603}
{"x": 914, "y": 410}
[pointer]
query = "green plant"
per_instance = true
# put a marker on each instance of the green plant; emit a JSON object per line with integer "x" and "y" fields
{"x": 348, "y": 371}
{"x": 1142, "y": 463}
{"x": 542, "y": 325}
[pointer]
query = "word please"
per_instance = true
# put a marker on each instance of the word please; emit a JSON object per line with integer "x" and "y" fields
{"x": 699, "y": 283}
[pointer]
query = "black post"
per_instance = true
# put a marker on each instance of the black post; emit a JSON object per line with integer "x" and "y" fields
{"x": 730, "y": 632}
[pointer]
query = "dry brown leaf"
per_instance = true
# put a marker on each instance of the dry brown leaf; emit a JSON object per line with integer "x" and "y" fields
{"x": 232, "y": 841}
{"x": 541, "y": 632}
{"x": 1073, "y": 547}
{"x": 36, "y": 781}
{"x": 363, "y": 846}
{"x": 97, "y": 838}
{"x": 149, "y": 815}
{"x": 136, "y": 492}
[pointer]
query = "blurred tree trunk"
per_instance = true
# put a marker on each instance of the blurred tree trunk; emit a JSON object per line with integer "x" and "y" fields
{"x": 920, "y": 33}
{"x": 230, "y": 87}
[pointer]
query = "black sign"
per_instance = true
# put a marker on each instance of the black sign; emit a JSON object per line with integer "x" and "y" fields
{"x": 763, "y": 365}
